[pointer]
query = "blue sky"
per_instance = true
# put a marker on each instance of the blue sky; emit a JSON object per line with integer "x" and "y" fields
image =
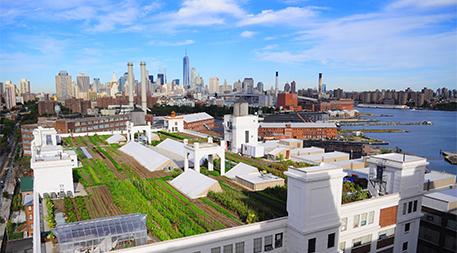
{"x": 358, "y": 45}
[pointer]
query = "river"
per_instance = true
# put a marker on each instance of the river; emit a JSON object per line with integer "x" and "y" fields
{"x": 421, "y": 140}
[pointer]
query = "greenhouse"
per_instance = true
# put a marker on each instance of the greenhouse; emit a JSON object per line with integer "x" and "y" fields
{"x": 103, "y": 234}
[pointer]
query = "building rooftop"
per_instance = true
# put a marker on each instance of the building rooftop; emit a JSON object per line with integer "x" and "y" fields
{"x": 258, "y": 177}
{"x": 297, "y": 125}
{"x": 434, "y": 175}
{"x": 317, "y": 158}
{"x": 397, "y": 157}
{"x": 193, "y": 117}
{"x": 444, "y": 200}
{"x": 26, "y": 184}
{"x": 240, "y": 169}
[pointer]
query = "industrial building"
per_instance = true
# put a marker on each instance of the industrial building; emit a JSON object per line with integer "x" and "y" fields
{"x": 92, "y": 124}
{"x": 304, "y": 131}
{"x": 200, "y": 121}
{"x": 386, "y": 221}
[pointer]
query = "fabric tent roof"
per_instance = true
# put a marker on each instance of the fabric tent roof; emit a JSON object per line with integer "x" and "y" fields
{"x": 193, "y": 184}
{"x": 147, "y": 157}
{"x": 240, "y": 169}
{"x": 174, "y": 146}
{"x": 115, "y": 138}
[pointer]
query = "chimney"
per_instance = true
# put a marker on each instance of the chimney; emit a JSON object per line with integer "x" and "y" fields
{"x": 144, "y": 80}
{"x": 320, "y": 84}
{"x": 131, "y": 81}
{"x": 276, "y": 83}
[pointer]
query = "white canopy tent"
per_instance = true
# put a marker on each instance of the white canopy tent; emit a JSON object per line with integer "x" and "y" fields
{"x": 150, "y": 159}
{"x": 195, "y": 185}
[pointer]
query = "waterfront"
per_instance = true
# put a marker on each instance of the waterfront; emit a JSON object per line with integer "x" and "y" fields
{"x": 421, "y": 140}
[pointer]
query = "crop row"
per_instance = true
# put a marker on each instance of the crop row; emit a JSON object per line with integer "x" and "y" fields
{"x": 168, "y": 216}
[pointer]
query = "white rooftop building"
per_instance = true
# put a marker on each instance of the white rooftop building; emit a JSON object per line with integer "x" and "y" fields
{"x": 240, "y": 129}
{"x": 328, "y": 157}
{"x": 52, "y": 166}
{"x": 194, "y": 117}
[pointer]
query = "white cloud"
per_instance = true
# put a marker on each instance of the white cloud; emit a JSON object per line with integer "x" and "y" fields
{"x": 247, "y": 34}
{"x": 172, "y": 44}
{"x": 373, "y": 41}
{"x": 289, "y": 15}
{"x": 422, "y": 4}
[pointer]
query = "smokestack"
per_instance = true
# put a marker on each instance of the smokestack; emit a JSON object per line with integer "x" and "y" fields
{"x": 320, "y": 84}
{"x": 144, "y": 80}
{"x": 276, "y": 83}
{"x": 130, "y": 80}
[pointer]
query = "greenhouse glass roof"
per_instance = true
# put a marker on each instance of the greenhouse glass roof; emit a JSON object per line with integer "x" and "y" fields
{"x": 99, "y": 228}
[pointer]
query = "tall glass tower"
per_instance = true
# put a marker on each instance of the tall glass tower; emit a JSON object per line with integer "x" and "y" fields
{"x": 185, "y": 72}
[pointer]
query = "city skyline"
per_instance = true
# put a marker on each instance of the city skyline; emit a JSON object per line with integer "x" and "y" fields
{"x": 404, "y": 44}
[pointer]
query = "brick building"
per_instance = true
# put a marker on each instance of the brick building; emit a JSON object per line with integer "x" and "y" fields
{"x": 288, "y": 101}
{"x": 46, "y": 107}
{"x": 198, "y": 121}
{"x": 305, "y": 131}
{"x": 77, "y": 105}
{"x": 341, "y": 104}
{"x": 104, "y": 102}
{"x": 92, "y": 124}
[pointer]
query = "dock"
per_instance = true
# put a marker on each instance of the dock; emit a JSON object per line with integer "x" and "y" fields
{"x": 450, "y": 157}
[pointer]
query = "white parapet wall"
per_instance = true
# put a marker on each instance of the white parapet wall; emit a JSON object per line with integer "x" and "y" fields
{"x": 242, "y": 236}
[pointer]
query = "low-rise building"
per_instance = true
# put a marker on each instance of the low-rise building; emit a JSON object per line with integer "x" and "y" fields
{"x": 304, "y": 131}
{"x": 46, "y": 107}
{"x": 92, "y": 124}
{"x": 259, "y": 181}
{"x": 200, "y": 121}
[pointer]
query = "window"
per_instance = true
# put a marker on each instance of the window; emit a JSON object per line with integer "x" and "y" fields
{"x": 216, "y": 250}
{"x": 415, "y": 206}
{"x": 371, "y": 217}
{"x": 239, "y": 247}
{"x": 257, "y": 245}
{"x": 356, "y": 220}
{"x": 404, "y": 208}
{"x": 268, "y": 243}
{"x": 407, "y": 227}
{"x": 331, "y": 240}
{"x": 361, "y": 241}
{"x": 228, "y": 248}
{"x": 410, "y": 206}
{"x": 278, "y": 240}
{"x": 344, "y": 224}
{"x": 363, "y": 221}
{"x": 342, "y": 246}
{"x": 246, "y": 136}
{"x": 312, "y": 245}
{"x": 405, "y": 246}
{"x": 386, "y": 233}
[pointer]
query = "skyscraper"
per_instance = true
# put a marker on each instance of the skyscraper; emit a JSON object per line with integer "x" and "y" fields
{"x": 83, "y": 82}
{"x": 160, "y": 79}
{"x": 10, "y": 95}
{"x": 96, "y": 85}
{"x": 260, "y": 86}
{"x": 213, "y": 85}
{"x": 185, "y": 72}
{"x": 24, "y": 86}
{"x": 63, "y": 85}
{"x": 248, "y": 85}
